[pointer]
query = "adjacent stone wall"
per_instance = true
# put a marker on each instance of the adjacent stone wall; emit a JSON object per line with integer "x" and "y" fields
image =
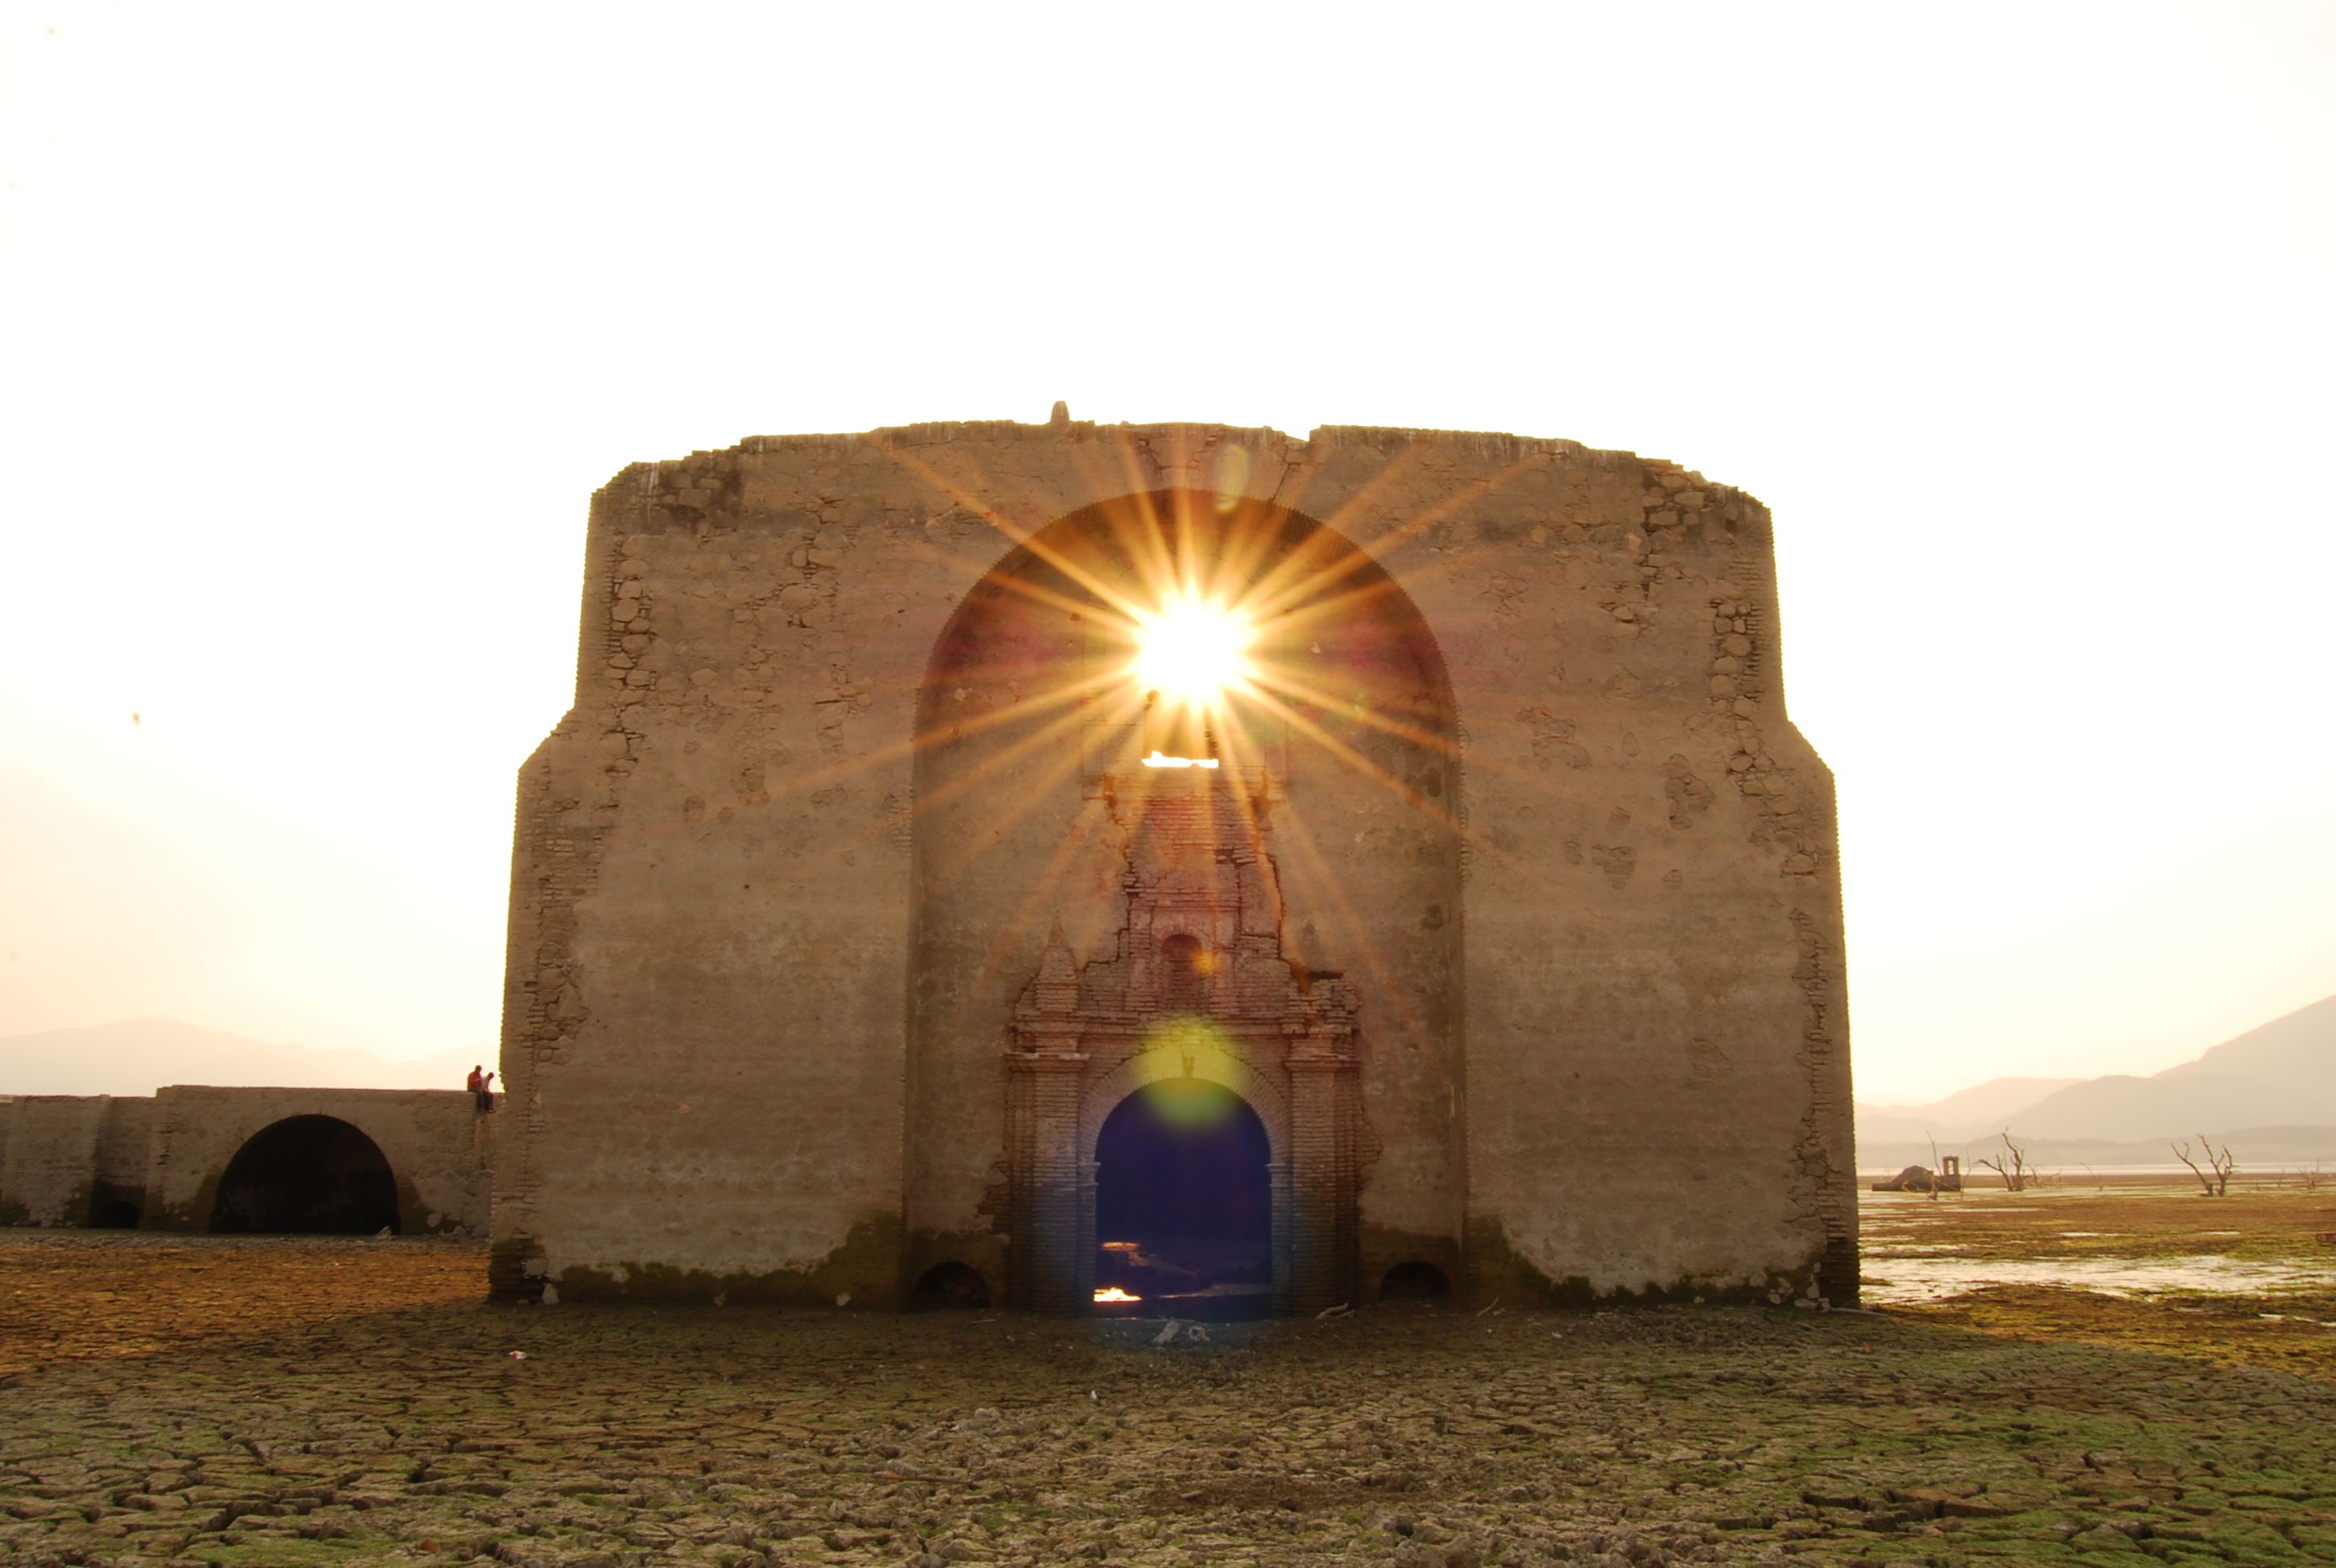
{"x": 1637, "y": 1081}
{"x": 440, "y": 1149}
{"x": 51, "y": 1163}
{"x": 156, "y": 1162}
{"x": 118, "y": 1195}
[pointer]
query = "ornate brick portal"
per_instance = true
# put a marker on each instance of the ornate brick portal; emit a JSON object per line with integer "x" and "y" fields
{"x": 1199, "y": 989}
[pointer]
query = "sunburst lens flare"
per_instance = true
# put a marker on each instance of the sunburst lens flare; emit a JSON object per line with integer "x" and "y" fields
{"x": 1193, "y": 650}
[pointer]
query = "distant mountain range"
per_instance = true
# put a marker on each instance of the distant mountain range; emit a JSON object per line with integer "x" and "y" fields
{"x": 1979, "y": 1113}
{"x": 2279, "y": 1079}
{"x": 138, "y": 1055}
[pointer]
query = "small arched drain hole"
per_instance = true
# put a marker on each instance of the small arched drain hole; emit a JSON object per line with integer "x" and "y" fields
{"x": 949, "y": 1286}
{"x": 1414, "y": 1282}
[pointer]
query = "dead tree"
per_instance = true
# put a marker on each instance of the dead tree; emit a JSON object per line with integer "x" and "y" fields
{"x": 2012, "y": 1167}
{"x": 2215, "y": 1179}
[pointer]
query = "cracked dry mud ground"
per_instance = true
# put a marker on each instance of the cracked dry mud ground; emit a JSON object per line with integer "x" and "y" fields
{"x": 221, "y": 1400}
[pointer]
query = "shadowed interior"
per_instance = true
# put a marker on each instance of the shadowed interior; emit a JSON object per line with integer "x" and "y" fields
{"x": 1414, "y": 1282}
{"x": 1184, "y": 1202}
{"x": 951, "y": 1285}
{"x": 307, "y": 1177}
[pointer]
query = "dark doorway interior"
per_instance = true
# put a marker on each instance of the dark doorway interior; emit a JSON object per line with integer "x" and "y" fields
{"x": 307, "y": 1177}
{"x": 1184, "y": 1204}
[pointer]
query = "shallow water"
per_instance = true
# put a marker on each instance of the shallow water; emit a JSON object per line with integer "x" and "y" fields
{"x": 2135, "y": 1242}
{"x": 1904, "y": 1275}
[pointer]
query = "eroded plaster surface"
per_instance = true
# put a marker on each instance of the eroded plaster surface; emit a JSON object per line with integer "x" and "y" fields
{"x": 784, "y": 873}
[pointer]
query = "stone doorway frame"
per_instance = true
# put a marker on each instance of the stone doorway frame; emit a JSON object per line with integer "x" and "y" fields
{"x": 1056, "y": 1104}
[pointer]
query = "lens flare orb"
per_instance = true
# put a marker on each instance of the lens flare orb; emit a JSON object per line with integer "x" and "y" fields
{"x": 1190, "y": 1104}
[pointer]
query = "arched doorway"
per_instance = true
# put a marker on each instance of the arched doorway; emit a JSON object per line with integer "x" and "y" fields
{"x": 307, "y": 1177}
{"x": 1183, "y": 1203}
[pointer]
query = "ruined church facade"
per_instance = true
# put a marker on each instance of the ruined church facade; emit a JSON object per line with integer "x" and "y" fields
{"x": 865, "y": 892}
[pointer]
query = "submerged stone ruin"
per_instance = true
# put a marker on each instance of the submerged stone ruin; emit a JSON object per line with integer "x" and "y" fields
{"x": 896, "y": 916}
{"x": 269, "y": 1161}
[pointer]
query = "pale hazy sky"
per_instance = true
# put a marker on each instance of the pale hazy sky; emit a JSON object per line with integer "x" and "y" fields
{"x": 318, "y": 325}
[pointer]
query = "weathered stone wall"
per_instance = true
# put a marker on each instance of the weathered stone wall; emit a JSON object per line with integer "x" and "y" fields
{"x": 118, "y": 1195}
{"x": 735, "y": 1068}
{"x": 156, "y": 1162}
{"x": 439, "y": 1149}
{"x": 50, "y": 1166}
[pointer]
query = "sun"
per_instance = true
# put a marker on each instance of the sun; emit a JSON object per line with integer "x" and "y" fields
{"x": 1192, "y": 651}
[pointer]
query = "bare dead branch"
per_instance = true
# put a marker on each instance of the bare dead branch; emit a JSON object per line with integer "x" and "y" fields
{"x": 2013, "y": 1167}
{"x": 2214, "y": 1179}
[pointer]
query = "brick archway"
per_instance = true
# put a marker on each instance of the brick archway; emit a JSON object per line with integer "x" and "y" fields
{"x": 1200, "y": 1055}
{"x": 1207, "y": 1056}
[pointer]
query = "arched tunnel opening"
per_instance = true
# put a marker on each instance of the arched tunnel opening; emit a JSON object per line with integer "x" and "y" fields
{"x": 307, "y": 1177}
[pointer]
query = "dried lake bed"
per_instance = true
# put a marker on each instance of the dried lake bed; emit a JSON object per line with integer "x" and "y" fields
{"x": 2142, "y": 1239}
{"x": 223, "y": 1400}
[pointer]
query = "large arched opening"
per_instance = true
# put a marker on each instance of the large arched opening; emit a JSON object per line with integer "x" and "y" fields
{"x": 1184, "y": 1204}
{"x": 307, "y": 1177}
{"x": 1281, "y": 869}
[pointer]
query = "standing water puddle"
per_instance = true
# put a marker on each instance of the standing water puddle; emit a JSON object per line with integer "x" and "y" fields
{"x": 1904, "y": 1277}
